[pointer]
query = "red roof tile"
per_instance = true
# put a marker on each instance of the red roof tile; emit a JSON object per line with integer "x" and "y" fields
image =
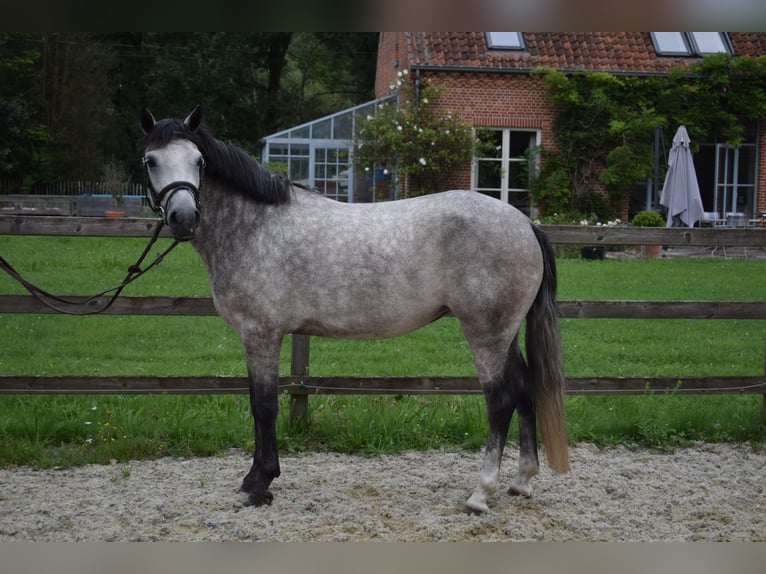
{"x": 606, "y": 51}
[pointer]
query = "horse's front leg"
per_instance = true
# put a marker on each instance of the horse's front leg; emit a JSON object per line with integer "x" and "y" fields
{"x": 262, "y": 357}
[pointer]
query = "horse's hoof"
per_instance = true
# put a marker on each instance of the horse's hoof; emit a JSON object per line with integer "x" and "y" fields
{"x": 520, "y": 490}
{"x": 259, "y": 498}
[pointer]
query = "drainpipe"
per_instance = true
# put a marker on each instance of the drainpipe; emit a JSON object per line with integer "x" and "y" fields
{"x": 417, "y": 88}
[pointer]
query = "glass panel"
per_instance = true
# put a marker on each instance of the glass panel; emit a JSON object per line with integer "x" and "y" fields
{"x": 490, "y": 143}
{"x": 518, "y": 175}
{"x": 278, "y": 149}
{"x": 746, "y": 167}
{"x": 299, "y": 170}
{"x": 301, "y": 133}
{"x": 489, "y": 174}
{"x": 670, "y": 43}
{"x": 512, "y": 40}
{"x": 521, "y": 142}
{"x": 299, "y": 150}
{"x": 344, "y": 127}
{"x": 495, "y": 193}
{"x": 709, "y": 42}
{"x": 323, "y": 129}
{"x": 520, "y": 200}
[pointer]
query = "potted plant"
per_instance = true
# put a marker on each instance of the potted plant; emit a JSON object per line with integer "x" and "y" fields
{"x": 648, "y": 219}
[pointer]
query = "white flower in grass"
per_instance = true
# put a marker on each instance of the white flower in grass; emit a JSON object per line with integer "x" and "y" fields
{"x": 422, "y": 161}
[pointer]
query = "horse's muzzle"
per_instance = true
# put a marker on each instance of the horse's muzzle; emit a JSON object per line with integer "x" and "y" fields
{"x": 183, "y": 223}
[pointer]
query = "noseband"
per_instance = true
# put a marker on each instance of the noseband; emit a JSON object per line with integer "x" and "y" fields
{"x": 155, "y": 198}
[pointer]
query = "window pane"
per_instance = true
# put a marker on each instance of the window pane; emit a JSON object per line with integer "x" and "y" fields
{"x": 343, "y": 127}
{"x": 301, "y": 133}
{"x": 520, "y": 200}
{"x": 495, "y": 194}
{"x": 489, "y": 175}
{"x": 746, "y": 171}
{"x": 323, "y": 129}
{"x": 278, "y": 149}
{"x": 670, "y": 43}
{"x": 299, "y": 170}
{"x": 299, "y": 149}
{"x": 511, "y": 40}
{"x": 709, "y": 42}
{"x": 490, "y": 143}
{"x": 518, "y": 175}
{"x": 521, "y": 142}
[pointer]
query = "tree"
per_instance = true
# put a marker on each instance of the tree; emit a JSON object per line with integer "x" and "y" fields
{"x": 327, "y": 72}
{"x": 415, "y": 135}
{"x": 69, "y": 102}
{"x": 24, "y": 137}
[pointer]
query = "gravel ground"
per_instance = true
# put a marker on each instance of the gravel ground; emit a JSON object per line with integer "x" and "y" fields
{"x": 706, "y": 493}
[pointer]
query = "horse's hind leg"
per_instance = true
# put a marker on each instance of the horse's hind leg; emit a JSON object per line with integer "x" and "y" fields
{"x": 528, "y": 461}
{"x": 500, "y": 399}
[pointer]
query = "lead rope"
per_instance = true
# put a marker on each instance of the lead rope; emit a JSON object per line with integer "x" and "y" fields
{"x": 134, "y": 272}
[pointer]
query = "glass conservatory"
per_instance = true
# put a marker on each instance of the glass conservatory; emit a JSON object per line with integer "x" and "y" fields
{"x": 319, "y": 155}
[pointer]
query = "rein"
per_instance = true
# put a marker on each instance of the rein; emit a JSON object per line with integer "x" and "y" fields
{"x": 48, "y": 299}
{"x": 155, "y": 199}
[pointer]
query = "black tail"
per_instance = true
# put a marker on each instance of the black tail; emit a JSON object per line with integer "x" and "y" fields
{"x": 543, "y": 343}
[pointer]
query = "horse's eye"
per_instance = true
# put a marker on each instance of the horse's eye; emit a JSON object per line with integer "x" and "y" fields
{"x": 150, "y": 162}
{"x": 201, "y": 162}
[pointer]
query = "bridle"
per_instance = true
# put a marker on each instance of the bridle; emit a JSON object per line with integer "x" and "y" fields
{"x": 156, "y": 198}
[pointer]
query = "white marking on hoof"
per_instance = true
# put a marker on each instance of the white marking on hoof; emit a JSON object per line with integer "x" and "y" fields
{"x": 476, "y": 505}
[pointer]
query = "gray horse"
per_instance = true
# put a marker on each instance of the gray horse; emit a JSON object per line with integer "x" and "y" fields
{"x": 283, "y": 259}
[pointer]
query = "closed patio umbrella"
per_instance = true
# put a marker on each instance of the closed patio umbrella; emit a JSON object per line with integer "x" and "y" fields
{"x": 681, "y": 192}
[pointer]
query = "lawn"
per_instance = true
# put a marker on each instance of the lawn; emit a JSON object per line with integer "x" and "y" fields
{"x": 61, "y": 430}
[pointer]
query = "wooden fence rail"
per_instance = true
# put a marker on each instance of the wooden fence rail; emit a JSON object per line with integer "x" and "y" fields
{"x": 300, "y": 385}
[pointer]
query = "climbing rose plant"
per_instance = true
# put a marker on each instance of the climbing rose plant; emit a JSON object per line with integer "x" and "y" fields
{"x": 416, "y": 137}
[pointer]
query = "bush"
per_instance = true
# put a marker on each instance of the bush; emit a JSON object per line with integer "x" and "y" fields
{"x": 648, "y": 219}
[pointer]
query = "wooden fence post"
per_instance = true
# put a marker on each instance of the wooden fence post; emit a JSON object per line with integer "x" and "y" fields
{"x": 299, "y": 367}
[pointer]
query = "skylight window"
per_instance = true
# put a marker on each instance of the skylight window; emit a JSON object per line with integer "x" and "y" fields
{"x": 690, "y": 43}
{"x": 710, "y": 42}
{"x": 505, "y": 41}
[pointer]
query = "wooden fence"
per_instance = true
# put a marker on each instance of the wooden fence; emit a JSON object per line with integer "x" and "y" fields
{"x": 300, "y": 385}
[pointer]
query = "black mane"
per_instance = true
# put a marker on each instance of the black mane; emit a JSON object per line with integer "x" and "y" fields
{"x": 227, "y": 163}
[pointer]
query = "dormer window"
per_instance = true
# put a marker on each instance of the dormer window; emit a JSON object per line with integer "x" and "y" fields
{"x": 505, "y": 41}
{"x": 690, "y": 43}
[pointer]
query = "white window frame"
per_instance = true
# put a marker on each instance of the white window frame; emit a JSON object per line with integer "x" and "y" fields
{"x": 505, "y": 160}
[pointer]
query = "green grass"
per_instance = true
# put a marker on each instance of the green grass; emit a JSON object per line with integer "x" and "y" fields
{"x": 67, "y": 429}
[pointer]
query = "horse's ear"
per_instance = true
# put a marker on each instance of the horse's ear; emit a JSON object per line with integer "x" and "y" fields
{"x": 147, "y": 120}
{"x": 194, "y": 119}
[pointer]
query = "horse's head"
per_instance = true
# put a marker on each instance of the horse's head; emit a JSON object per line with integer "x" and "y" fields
{"x": 173, "y": 169}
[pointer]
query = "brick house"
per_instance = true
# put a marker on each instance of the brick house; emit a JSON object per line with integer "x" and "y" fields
{"x": 490, "y": 84}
